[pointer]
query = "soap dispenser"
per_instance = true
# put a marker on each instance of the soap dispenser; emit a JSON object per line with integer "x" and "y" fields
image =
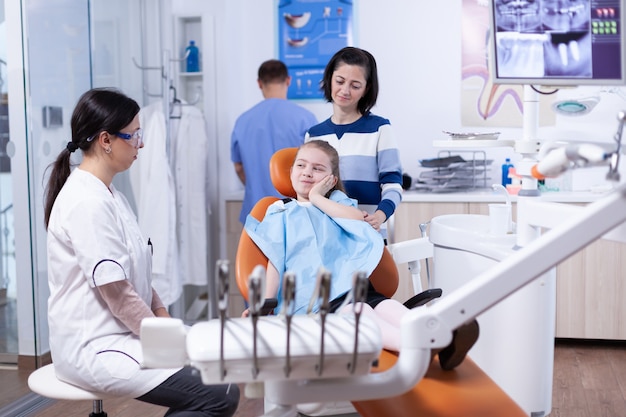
{"x": 193, "y": 59}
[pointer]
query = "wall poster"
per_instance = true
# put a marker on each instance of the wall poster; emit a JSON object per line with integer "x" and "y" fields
{"x": 309, "y": 34}
{"x": 482, "y": 102}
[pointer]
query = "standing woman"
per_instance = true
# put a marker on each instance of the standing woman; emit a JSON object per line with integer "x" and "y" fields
{"x": 369, "y": 158}
{"x": 99, "y": 269}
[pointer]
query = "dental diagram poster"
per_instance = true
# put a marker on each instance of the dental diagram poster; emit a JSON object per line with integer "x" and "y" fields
{"x": 482, "y": 102}
{"x": 309, "y": 34}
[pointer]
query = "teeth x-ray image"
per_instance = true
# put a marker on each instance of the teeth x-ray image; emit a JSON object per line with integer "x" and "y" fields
{"x": 520, "y": 55}
{"x": 538, "y": 38}
{"x": 568, "y": 54}
{"x": 518, "y": 15}
{"x": 565, "y": 15}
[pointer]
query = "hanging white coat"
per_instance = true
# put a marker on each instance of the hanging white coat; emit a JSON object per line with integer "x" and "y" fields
{"x": 189, "y": 157}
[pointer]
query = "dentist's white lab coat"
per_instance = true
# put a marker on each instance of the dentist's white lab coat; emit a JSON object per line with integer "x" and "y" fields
{"x": 94, "y": 239}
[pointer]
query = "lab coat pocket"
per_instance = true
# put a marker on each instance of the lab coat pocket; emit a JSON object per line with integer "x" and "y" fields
{"x": 120, "y": 363}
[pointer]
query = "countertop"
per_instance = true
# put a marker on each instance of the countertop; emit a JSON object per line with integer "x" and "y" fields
{"x": 480, "y": 196}
{"x": 488, "y": 196}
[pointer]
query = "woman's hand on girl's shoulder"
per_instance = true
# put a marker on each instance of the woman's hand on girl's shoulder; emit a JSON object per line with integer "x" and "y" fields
{"x": 376, "y": 219}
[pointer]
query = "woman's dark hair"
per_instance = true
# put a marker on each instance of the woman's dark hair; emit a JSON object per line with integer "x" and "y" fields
{"x": 329, "y": 150}
{"x": 359, "y": 57}
{"x": 98, "y": 110}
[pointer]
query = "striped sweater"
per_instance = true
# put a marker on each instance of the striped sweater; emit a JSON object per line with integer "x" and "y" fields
{"x": 369, "y": 160}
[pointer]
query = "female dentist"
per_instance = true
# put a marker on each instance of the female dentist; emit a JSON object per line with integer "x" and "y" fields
{"x": 99, "y": 269}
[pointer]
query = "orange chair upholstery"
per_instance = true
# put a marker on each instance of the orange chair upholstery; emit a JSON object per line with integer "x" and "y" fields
{"x": 464, "y": 392}
{"x": 248, "y": 253}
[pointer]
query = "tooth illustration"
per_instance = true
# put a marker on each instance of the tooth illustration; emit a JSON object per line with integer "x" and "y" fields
{"x": 298, "y": 42}
{"x": 297, "y": 21}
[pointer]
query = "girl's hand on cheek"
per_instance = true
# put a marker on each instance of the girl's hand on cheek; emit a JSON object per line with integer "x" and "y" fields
{"x": 323, "y": 187}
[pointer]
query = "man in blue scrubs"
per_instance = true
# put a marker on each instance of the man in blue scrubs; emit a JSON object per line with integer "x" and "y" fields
{"x": 270, "y": 125}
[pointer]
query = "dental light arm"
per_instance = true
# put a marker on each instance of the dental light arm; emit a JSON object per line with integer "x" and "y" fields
{"x": 561, "y": 159}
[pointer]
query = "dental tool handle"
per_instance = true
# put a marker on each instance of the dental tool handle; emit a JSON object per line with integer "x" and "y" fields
{"x": 222, "y": 269}
{"x": 289, "y": 307}
{"x": 256, "y": 288}
{"x": 316, "y": 296}
{"x": 323, "y": 286}
{"x": 359, "y": 288}
{"x": 222, "y": 272}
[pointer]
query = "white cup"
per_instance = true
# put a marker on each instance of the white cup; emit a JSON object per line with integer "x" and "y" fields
{"x": 499, "y": 219}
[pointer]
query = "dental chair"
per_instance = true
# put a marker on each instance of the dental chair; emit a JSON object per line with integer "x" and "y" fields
{"x": 464, "y": 392}
{"x": 384, "y": 278}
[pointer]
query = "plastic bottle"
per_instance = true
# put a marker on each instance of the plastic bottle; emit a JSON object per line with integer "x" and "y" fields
{"x": 193, "y": 61}
{"x": 505, "y": 172}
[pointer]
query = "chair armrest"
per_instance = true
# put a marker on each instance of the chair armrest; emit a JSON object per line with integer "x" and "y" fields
{"x": 411, "y": 250}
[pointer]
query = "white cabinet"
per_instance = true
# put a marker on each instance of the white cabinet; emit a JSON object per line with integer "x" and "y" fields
{"x": 590, "y": 284}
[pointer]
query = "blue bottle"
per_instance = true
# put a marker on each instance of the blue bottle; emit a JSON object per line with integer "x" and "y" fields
{"x": 505, "y": 172}
{"x": 193, "y": 60}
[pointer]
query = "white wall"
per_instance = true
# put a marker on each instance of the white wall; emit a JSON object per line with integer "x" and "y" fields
{"x": 417, "y": 45}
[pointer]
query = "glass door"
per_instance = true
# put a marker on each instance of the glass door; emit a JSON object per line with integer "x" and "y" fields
{"x": 52, "y": 57}
{"x": 8, "y": 292}
{"x": 59, "y": 49}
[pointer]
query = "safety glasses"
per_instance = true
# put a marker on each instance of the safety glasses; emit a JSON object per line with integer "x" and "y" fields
{"x": 134, "y": 139}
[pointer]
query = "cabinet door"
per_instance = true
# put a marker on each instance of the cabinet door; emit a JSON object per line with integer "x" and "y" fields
{"x": 591, "y": 293}
{"x": 236, "y": 302}
{"x": 407, "y": 220}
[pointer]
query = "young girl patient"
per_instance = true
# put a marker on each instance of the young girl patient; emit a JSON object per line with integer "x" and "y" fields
{"x": 323, "y": 227}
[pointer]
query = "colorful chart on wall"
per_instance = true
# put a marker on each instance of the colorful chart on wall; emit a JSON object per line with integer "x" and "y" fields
{"x": 309, "y": 34}
{"x": 482, "y": 102}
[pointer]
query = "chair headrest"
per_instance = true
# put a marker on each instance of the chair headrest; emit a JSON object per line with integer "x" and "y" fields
{"x": 280, "y": 170}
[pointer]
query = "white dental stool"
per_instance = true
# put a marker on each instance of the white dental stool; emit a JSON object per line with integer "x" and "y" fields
{"x": 45, "y": 383}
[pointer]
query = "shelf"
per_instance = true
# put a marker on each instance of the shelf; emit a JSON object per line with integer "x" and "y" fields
{"x": 499, "y": 143}
{"x": 191, "y": 74}
{"x": 190, "y": 85}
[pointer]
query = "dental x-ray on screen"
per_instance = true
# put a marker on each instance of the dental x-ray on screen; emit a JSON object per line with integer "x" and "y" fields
{"x": 558, "y": 42}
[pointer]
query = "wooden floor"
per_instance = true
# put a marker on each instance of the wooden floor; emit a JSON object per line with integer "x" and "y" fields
{"x": 589, "y": 381}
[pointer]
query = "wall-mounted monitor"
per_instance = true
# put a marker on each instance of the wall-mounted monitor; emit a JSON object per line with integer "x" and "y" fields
{"x": 558, "y": 42}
